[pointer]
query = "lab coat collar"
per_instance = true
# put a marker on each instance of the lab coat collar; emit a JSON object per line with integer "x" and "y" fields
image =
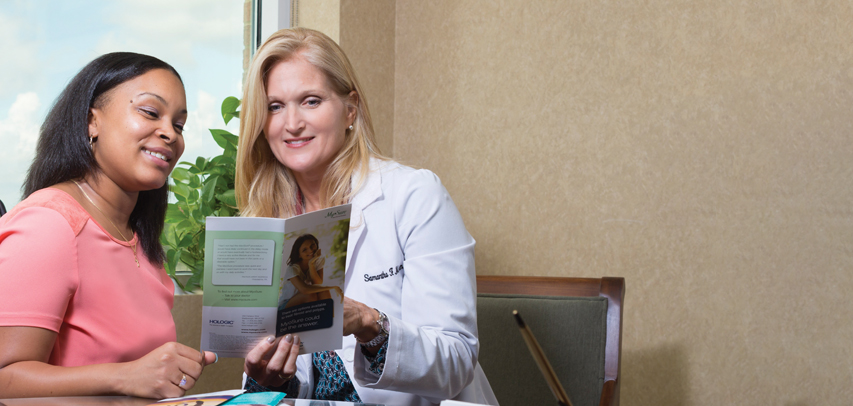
{"x": 370, "y": 191}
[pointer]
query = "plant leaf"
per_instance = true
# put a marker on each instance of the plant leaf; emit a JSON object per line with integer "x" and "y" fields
{"x": 228, "y": 197}
{"x": 172, "y": 257}
{"x": 229, "y": 108}
{"x": 174, "y": 214}
{"x": 194, "y": 282}
{"x": 197, "y": 216}
{"x": 225, "y": 139}
{"x": 180, "y": 190}
{"x": 188, "y": 259}
{"x": 209, "y": 189}
{"x": 180, "y": 174}
{"x": 195, "y": 182}
{"x": 186, "y": 241}
{"x": 187, "y": 224}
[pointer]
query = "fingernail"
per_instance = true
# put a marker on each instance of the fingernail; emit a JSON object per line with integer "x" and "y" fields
{"x": 288, "y": 338}
{"x": 217, "y": 357}
{"x": 270, "y": 339}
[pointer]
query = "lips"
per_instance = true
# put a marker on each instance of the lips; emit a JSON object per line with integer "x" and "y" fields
{"x": 162, "y": 154}
{"x": 298, "y": 141}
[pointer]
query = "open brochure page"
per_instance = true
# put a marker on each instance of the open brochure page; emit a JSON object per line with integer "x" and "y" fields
{"x": 267, "y": 276}
{"x": 310, "y": 301}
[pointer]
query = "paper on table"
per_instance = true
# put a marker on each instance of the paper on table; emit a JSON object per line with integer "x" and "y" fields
{"x": 207, "y": 399}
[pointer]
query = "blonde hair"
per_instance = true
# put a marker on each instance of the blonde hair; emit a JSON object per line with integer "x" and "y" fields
{"x": 265, "y": 187}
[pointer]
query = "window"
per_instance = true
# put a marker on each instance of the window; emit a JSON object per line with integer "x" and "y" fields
{"x": 45, "y": 43}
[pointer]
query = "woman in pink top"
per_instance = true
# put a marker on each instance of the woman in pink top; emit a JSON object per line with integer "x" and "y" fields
{"x": 85, "y": 302}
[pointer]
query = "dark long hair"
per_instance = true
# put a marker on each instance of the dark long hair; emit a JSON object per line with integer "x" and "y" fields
{"x": 294, "y": 252}
{"x": 63, "y": 151}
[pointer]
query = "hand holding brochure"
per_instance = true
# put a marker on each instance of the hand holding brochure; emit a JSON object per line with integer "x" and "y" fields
{"x": 269, "y": 276}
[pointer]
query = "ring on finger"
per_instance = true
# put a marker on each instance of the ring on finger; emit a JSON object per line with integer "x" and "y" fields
{"x": 282, "y": 377}
{"x": 183, "y": 381}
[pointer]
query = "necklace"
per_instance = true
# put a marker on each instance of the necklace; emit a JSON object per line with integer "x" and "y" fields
{"x": 132, "y": 246}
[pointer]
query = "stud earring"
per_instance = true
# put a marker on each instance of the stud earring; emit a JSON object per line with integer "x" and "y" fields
{"x": 350, "y": 127}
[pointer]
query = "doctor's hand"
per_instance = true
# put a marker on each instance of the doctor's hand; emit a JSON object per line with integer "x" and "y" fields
{"x": 166, "y": 372}
{"x": 273, "y": 361}
{"x": 360, "y": 319}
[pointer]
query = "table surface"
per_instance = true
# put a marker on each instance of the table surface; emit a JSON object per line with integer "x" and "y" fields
{"x": 128, "y": 401}
{"x": 78, "y": 401}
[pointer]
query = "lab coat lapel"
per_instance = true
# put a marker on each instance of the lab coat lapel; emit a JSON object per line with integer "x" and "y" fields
{"x": 370, "y": 191}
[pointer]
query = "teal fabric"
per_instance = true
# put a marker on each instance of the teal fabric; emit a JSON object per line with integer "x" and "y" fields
{"x": 262, "y": 398}
{"x": 332, "y": 380}
{"x": 571, "y": 332}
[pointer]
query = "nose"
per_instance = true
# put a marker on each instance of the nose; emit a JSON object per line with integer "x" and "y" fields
{"x": 293, "y": 122}
{"x": 168, "y": 133}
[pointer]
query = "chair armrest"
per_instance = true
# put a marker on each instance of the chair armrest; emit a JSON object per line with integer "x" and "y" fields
{"x": 609, "y": 396}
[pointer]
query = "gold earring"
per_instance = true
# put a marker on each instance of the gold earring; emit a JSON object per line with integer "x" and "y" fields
{"x": 92, "y": 142}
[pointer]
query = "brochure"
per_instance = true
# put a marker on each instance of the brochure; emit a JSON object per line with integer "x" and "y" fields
{"x": 203, "y": 399}
{"x": 269, "y": 276}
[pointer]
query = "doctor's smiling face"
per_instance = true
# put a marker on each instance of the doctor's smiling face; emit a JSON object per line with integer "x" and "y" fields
{"x": 306, "y": 120}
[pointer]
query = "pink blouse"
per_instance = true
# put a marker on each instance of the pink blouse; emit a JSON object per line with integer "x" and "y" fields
{"x": 59, "y": 270}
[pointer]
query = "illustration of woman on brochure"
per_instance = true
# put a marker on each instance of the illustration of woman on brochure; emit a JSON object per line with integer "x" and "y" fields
{"x": 305, "y": 272}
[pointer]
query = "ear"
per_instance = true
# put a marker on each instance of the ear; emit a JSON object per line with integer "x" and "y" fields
{"x": 352, "y": 107}
{"x": 94, "y": 120}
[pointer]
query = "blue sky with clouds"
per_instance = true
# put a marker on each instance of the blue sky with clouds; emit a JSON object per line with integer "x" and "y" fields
{"x": 44, "y": 43}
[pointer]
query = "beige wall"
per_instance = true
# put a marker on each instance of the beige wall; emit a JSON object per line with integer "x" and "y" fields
{"x": 367, "y": 35}
{"x": 702, "y": 150}
{"x": 321, "y": 15}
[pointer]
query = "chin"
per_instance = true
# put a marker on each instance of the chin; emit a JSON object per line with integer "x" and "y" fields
{"x": 153, "y": 185}
{"x": 304, "y": 167}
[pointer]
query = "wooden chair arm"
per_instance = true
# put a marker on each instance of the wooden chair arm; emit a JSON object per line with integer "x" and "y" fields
{"x": 609, "y": 396}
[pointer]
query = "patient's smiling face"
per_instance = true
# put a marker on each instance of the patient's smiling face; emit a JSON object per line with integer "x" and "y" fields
{"x": 138, "y": 127}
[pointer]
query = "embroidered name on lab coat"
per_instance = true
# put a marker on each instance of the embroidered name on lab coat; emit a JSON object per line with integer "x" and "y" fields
{"x": 394, "y": 270}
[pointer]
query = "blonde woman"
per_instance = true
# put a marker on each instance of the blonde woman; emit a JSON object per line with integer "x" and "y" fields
{"x": 410, "y": 324}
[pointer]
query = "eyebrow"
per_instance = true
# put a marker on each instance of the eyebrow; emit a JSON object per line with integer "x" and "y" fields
{"x": 307, "y": 92}
{"x": 162, "y": 100}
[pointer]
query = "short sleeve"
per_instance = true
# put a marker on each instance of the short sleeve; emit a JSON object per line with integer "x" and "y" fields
{"x": 38, "y": 267}
{"x": 294, "y": 270}
{"x": 286, "y": 291}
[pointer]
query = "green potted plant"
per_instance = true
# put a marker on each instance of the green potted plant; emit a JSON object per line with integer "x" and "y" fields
{"x": 202, "y": 188}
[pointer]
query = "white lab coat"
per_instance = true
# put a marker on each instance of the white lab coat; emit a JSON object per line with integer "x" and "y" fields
{"x": 407, "y": 234}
